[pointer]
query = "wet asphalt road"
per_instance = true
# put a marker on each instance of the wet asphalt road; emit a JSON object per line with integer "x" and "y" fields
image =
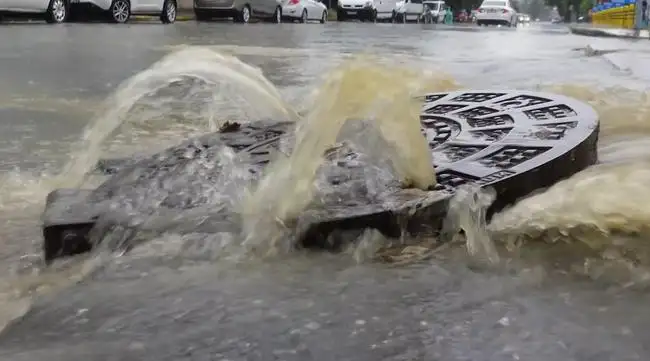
{"x": 314, "y": 308}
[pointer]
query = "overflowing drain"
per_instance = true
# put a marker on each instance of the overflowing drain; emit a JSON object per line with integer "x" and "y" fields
{"x": 512, "y": 141}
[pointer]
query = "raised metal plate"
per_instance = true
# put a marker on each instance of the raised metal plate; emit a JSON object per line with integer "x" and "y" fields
{"x": 513, "y": 141}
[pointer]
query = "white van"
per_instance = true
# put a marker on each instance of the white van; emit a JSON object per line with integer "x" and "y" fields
{"x": 411, "y": 10}
{"x": 385, "y": 9}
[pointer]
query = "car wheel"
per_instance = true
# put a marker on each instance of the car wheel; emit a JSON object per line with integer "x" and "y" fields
{"x": 277, "y": 16}
{"x": 168, "y": 15}
{"x": 244, "y": 15}
{"x": 57, "y": 12}
{"x": 323, "y": 19}
{"x": 303, "y": 17}
{"x": 120, "y": 11}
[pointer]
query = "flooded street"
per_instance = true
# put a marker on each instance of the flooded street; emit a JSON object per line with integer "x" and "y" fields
{"x": 570, "y": 283}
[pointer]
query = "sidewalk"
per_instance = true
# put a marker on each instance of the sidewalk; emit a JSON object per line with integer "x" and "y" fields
{"x": 602, "y": 32}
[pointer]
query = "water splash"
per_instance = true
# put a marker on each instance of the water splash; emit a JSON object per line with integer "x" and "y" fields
{"x": 611, "y": 197}
{"x": 467, "y": 213}
{"x": 592, "y": 207}
{"x": 226, "y": 73}
{"x": 359, "y": 89}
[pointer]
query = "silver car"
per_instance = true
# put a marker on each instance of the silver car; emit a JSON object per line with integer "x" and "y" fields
{"x": 120, "y": 11}
{"x": 53, "y": 11}
{"x": 241, "y": 11}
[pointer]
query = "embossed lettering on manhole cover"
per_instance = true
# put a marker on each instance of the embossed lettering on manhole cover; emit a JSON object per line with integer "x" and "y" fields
{"x": 500, "y": 135}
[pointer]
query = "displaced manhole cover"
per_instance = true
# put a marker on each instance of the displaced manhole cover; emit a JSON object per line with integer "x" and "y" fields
{"x": 513, "y": 141}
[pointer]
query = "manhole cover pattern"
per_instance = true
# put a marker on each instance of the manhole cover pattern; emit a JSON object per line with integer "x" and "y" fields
{"x": 499, "y": 134}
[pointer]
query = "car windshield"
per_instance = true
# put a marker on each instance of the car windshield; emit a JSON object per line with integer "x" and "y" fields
{"x": 433, "y": 5}
{"x": 494, "y": 3}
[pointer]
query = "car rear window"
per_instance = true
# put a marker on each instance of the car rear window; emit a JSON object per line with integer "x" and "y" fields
{"x": 494, "y": 3}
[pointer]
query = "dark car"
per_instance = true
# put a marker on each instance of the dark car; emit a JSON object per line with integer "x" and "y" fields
{"x": 241, "y": 11}
{"x": 461, "y": 16}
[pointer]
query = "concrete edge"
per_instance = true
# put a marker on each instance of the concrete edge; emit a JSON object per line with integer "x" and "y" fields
{"x": 608, "y": 33}
{"x": 148, "y": 18}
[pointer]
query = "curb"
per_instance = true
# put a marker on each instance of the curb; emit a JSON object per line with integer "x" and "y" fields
{"x": 149, "y": 18}
{"x": 609, "y": 32}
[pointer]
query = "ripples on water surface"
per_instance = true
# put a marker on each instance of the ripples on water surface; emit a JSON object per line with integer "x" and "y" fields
{"x": 522, "y": 295}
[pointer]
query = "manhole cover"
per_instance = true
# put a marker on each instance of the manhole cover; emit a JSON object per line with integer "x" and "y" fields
{"x": 513, "y": 141}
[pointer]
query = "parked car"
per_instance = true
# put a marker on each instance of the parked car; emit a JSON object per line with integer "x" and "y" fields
{"x": 120, "y": 11}
{"x": 304, "y": 10}
{"x": 412, "y": 10}
{"x": 496, "y": 12}
{"x": 364, "y": 10}
{"x": 385, "y": 10}
{"x": 52, "y": 11}
{"x": 242, "y": 11}
{"x": 461, "y": 16}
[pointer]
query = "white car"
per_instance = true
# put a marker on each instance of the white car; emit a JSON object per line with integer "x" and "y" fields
{"x": 121, "y": 10}
{"x": 496, "y": 12}
{"x": 412, "y": 10}
{"x": 385, "y": 9}
{"x": 53, "y": 11}
{"x": 304, "y": 10}
{"x": 360, "y": 9}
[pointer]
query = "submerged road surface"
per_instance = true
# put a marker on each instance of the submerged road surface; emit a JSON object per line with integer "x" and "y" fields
{"x": 573, "y": 289}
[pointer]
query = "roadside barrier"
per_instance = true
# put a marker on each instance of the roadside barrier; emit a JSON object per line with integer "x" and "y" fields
{"x": 619, "y": 14}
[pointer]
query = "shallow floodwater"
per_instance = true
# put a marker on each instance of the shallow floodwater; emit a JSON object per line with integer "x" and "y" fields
{"x": 571, "y": 276}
